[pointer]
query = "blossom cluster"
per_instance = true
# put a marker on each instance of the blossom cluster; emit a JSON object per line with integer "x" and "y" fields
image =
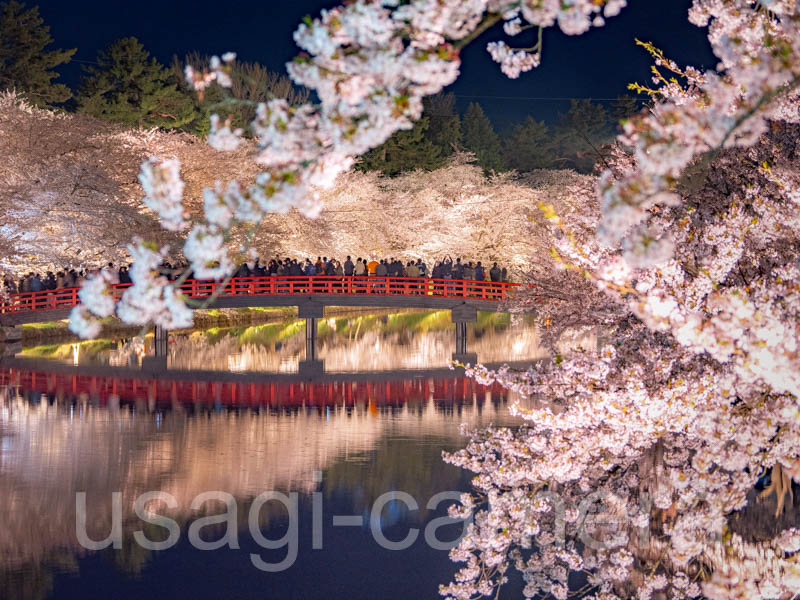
{"x": 573, "y": 18}
{"x": 685, "y": 262}
{"x": 370, "y": 63}
{"x": 150, "y": 299}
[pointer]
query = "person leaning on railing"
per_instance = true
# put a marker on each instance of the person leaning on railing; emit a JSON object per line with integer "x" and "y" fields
{"x": 360, "y": 268}
{"x": 445, "y": 268}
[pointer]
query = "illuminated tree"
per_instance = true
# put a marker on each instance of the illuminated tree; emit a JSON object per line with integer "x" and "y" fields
{"x": 686, "y": 252}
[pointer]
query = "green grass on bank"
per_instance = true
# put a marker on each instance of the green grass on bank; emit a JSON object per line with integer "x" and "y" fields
{"x": 66, "y": 351}
{"x": 47, "y": 325}
{"x": 220, "y": 312}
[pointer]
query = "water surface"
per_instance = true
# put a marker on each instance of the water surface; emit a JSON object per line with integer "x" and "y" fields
{"x": 232, "y": 413}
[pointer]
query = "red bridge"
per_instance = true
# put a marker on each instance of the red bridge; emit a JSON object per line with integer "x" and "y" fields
{"x": 309, "y": 293}
{"x": 444, "y": 388}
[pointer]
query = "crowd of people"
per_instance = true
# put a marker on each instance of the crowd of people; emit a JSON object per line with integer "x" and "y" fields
{"x": 446, "y": 268}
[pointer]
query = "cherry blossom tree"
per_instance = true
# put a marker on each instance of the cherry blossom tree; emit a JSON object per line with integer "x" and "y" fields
{"x": 69, "y": 188}
{"x": 686, "y": 258}
{"x": 634, "y": 460}
{"x": 370, "y": 64}
{"x": 71, "y": 196}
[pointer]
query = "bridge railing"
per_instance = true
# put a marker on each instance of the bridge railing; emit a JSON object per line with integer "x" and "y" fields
{"x": 278, "y": 285}
{"x": 451, "y": 389}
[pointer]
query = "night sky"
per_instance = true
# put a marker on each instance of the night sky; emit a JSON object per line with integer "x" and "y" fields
{"x": 596, "y": 65}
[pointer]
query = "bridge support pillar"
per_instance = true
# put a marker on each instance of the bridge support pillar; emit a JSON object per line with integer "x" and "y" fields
{"x": 461, "y": 355}
{"x": 10, "y": 349}
{"x": 461, "y": 337}
{"x": 461, "y": 315}
{"x": 464, "y": 313}
{"x": 10, "y": 334}
{"x": 311, "y": 339}
{"x": 160, "y": 342}
{"x": 157, "y": 362}
{"x": 311, "y": 369}
{"x": 10, "y": 341}
{"x": 154, "y": 364}
{"x": 310, "y": 310}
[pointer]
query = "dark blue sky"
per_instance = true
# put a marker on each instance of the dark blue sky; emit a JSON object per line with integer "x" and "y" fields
{"x": 596, "y": 65}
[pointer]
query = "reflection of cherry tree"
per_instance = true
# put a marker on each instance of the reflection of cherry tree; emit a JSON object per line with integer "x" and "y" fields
{"x": 66, "y": 445}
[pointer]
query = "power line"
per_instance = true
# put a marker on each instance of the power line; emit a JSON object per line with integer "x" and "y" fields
{"x": 538, "y": 98}
{"x": 558, "y": 99}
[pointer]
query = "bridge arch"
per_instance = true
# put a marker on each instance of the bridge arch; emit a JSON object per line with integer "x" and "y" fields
{"x": 311, "y": 294}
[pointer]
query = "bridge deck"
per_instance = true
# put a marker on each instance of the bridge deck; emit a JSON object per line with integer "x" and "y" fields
{"x": 309, "y": 293}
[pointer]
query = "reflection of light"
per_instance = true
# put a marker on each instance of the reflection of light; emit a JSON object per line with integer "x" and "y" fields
{"x": 243, "y": 456}
{"x": 288, "y": 366}
{"x": 236, "y": 362}
{"x": 366, "y": 344}
{"x": 127, "y": 354}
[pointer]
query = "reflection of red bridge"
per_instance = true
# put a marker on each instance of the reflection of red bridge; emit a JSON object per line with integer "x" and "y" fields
{"x": 310, "y": 294}
{"x": 100, "y": 389}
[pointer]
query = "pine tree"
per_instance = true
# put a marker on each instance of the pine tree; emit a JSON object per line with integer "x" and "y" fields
{"x": 24, "y": 63}
{"x": 624, "y": 107}
{"x": 529, "y": 146}
{"x": 251, "y": 83}
{"x": 581, "y": 135}
{"x": 444, "y": 124}
{"x": 480, "y": 138}
{"x": 130, "y": 87}
{"x": 405, "y": 150}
